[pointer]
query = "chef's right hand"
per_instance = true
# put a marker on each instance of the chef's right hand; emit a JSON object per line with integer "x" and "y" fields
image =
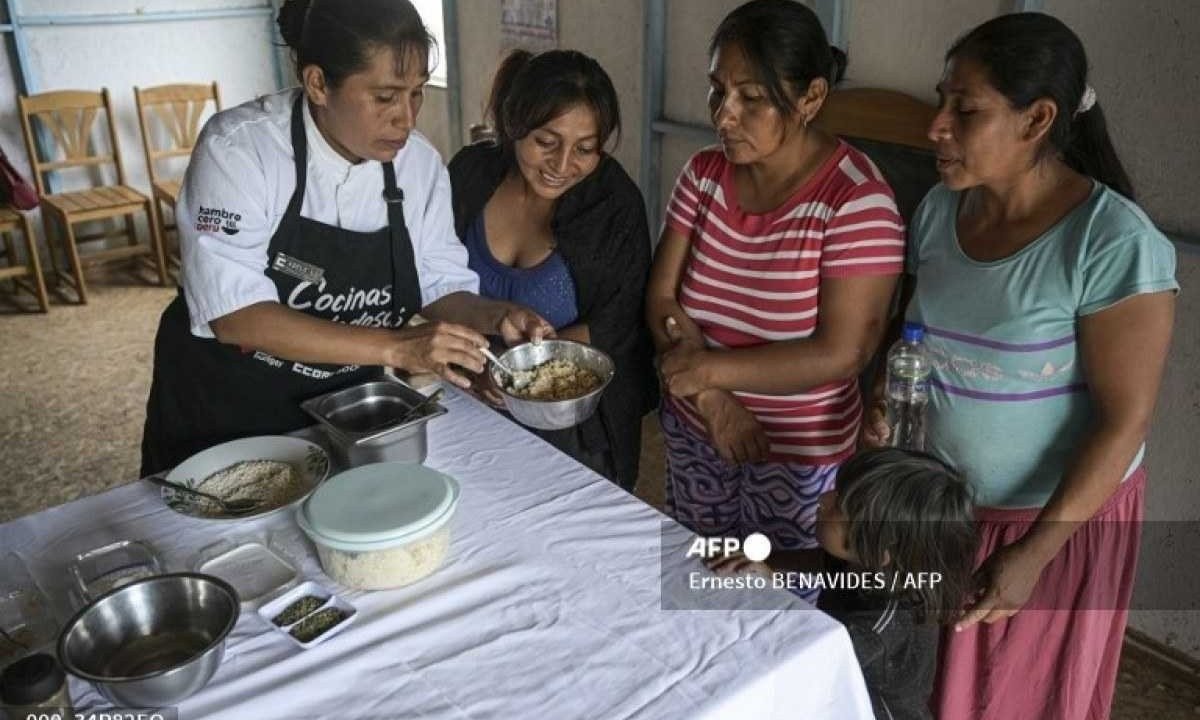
{"x": 436, "y": 347}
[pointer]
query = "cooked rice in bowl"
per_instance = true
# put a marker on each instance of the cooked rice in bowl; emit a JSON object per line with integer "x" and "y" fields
{"x": 273, "y": 482}
{"x": 556, "y": 380}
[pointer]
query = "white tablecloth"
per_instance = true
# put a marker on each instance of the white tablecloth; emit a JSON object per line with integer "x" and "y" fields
{"x": 550, "y": 605}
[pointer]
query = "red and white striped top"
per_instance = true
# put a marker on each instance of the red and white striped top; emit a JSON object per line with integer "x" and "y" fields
{"x": 752, "y": 279}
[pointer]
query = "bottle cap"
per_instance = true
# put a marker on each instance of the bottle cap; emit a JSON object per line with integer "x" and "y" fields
{"x": 913, "y": 332}
{"x": 31, "y": 680}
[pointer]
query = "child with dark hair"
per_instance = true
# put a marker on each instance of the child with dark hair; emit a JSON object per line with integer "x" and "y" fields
{"x": 903, "y": 520}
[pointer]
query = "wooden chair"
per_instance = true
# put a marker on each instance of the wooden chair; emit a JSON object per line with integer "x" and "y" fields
{"x": 890, "y": 127}
{"x": 69, "y": 115}
{"x": 27, "y": 275}
{"x": 179, "y": 109}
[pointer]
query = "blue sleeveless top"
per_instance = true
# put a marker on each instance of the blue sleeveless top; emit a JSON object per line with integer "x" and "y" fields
{"x": 546, "y": 288}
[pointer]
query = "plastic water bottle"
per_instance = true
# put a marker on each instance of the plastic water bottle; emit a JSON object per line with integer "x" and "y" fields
{"x": 908, "y": 389}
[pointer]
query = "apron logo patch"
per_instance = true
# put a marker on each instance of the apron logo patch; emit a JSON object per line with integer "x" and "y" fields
{"x": 298, "y": 269}
{"x": 217, "y": 219}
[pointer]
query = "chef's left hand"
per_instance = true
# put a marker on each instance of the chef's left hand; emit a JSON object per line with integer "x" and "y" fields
{"x": 520, "y": 324}
{"x": 1006, "y": 581}
{"x": 684, "y": 370}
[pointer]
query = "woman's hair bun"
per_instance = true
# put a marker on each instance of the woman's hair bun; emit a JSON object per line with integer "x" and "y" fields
{"x": 839, "y": 65}
{"x": 291, "y": 21}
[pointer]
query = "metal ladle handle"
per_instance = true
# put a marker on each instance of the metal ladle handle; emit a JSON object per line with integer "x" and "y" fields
{"x": 163, "y": 482}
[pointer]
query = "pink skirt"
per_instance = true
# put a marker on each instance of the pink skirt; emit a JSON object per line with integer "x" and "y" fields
{"x": 1057, "y": 658}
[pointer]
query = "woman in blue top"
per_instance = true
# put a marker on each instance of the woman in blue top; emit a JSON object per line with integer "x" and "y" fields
{"x": 550, "y": 220}
{"x": 1048, "y": 298}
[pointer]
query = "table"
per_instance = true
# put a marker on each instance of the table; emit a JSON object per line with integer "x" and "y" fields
{"x": 550, "y": 605}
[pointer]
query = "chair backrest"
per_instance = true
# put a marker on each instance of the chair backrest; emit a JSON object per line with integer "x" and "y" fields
{"x": 178, "y": 108}
{"x": 890, "y": 127}
{"x": 70, "y": 116}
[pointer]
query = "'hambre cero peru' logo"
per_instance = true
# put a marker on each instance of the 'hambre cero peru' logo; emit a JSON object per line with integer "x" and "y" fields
{"x": 217, "y": 219}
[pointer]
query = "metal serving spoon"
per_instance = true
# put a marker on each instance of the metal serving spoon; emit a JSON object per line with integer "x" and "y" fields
{"x": 517, "y": 379}
{"x": 240, "y": 506}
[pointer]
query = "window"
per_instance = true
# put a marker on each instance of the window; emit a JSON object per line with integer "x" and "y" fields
{"x": 431, "y": 14}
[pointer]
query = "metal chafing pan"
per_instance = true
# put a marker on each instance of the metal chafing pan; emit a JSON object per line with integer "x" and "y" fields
{"x": 370, "y": 422}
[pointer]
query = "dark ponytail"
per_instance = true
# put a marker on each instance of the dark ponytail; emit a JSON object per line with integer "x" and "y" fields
{"x": 840, "y": 61}
{"x": 502, "y": 87}
{"x": 1091, "y": 152}
{"x": 785, "y": 44}
{"x": 338, "y": 36}
{"x": 1029, "y": 56}
{"x": 531, "y": 90}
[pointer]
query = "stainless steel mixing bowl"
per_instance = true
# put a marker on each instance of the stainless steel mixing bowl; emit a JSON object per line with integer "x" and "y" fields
{"x": 553, "y": 414}
{"x": 153, "y": 642}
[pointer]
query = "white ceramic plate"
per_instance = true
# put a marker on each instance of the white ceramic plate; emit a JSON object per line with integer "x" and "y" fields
{"x": 310, "y": 462}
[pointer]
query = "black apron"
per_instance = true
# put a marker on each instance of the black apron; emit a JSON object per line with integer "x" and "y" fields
{"x": 205, "y": 392}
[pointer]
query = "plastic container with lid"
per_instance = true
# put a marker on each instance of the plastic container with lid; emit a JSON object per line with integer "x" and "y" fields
{"x": 381, "y": 526}
{"x": 34, "y": 685}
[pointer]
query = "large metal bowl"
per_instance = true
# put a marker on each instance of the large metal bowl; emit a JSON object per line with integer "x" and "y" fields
{"x": 153, "y": 642}
{"x": 553, "y": 414}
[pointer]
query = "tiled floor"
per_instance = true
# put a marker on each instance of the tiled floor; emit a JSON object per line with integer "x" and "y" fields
{"x": 74, "y": 384}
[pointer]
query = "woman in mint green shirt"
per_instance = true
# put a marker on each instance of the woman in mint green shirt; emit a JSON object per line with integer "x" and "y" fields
{"x": 1048, "y": 299}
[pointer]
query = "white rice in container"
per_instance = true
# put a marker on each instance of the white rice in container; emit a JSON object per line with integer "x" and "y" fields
{"x": 390, "y": 568}
{"x": 383, "y": 525}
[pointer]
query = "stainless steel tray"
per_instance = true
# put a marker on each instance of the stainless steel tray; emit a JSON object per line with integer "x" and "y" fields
{"x": 368, "y": 412}
{"x": 366, "y": 422}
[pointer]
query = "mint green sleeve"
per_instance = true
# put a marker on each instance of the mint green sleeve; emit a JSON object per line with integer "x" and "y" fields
{"x": 1134, "y": 258}
{"x": 923, "y": 222}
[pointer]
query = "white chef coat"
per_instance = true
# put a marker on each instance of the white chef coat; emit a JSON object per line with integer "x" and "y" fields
{"x": 241, "y": 178}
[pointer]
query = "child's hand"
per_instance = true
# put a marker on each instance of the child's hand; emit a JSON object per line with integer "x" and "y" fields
{"x": 738, "y": 564}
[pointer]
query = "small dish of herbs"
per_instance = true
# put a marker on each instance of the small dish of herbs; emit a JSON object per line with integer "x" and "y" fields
{"x": 316, "y": 624}
{"x": 299, "y": 610}
{"x": 308, "y": 614}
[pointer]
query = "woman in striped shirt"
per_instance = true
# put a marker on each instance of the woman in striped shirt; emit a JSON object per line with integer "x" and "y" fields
{"x": 770, "y": 286}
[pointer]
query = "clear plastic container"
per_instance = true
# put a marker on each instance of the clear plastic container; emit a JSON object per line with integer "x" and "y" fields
{"x": 381, "y": 526}
{"x": 98, "y": 571}
{"x": 258, "y": 571}
{"x": 385, "y": 568}
{"x": 27, "y": 620}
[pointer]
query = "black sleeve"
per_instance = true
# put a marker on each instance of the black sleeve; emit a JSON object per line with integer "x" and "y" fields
{"x": 615, "y": 319}
{"x": 868, "y": 645}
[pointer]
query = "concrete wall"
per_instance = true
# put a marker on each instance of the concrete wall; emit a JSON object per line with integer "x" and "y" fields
{"x": 1167, "y": 568}
{"x": 1147, "y": 79}
{"x": 591, "y": 26}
